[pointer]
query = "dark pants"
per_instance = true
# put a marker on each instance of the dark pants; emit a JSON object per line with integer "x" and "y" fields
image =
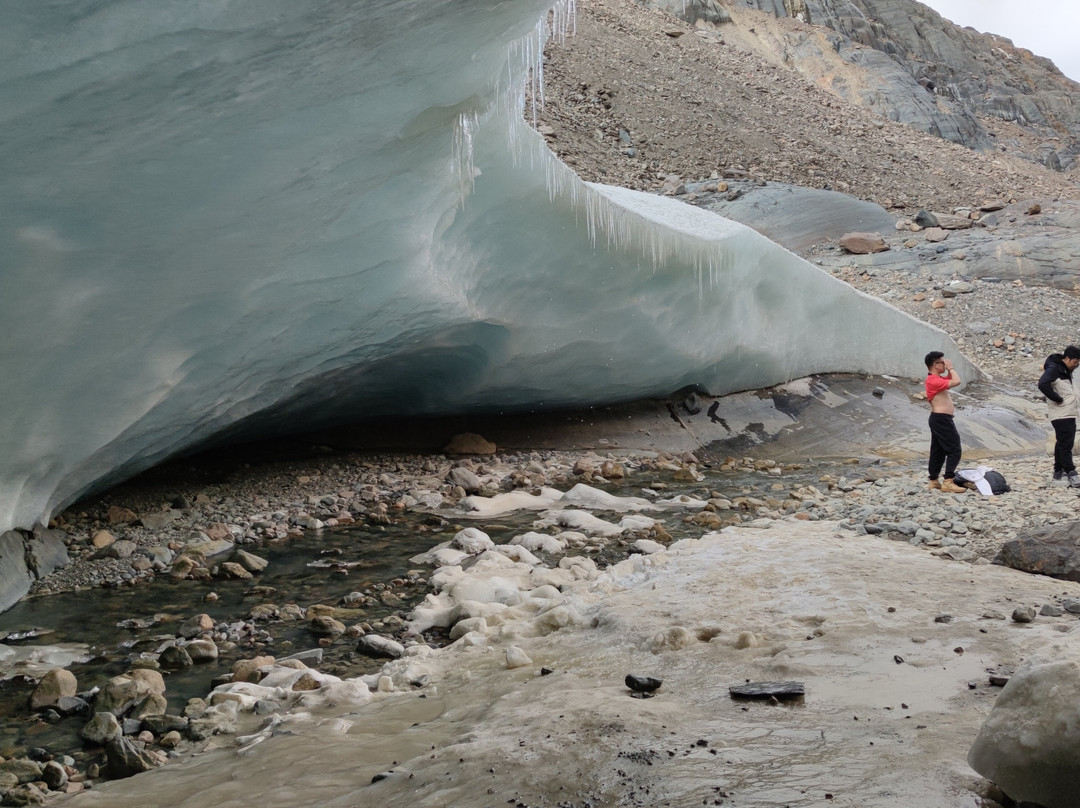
{"x": 944, "y": 445}
{"x": 1065, "y": 434}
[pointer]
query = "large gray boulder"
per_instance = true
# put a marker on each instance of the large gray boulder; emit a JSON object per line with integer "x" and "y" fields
{"x": 1030, "y": 743}
{"x": 1050, "y": 550}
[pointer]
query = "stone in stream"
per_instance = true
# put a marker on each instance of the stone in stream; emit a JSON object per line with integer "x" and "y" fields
{"x": 196, "y": 625}
{"x": 373, "y": 645}
{"x": 127, "y": 757}
{"x": 101, "y": 727}
{"x": 57, "y": 684}
{"x": 174, "y": 658}
{"x": 767, "y": 690}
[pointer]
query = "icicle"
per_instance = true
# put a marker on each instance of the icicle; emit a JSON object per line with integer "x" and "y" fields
{"x": 463, "y": 167}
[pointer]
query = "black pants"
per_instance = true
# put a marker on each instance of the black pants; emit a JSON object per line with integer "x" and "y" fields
{"x": 1065, "y": 434}
{"x": 944, "y": 445}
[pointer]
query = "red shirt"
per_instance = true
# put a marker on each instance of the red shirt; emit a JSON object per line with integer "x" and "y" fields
{"x": 935, "y": 384}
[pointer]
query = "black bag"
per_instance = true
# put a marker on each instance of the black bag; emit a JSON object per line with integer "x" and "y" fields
{"x": 998, "y": 483}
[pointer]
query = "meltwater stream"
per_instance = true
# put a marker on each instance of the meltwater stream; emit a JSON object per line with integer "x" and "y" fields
{"x": 364, "y": 573}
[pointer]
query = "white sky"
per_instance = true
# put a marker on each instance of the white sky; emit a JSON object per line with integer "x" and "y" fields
{"x": 1046, "y": 27}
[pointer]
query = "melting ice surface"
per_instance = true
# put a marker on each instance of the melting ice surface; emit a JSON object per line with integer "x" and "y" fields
{"x": 887, "y": 720}
{"x": 234, "y": 217}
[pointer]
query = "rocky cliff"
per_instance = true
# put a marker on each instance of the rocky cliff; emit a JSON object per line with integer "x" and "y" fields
{"x": 861, "y": 96}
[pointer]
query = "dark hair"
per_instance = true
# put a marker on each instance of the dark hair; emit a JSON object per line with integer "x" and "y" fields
{"x": 1071, "y": 352}
{"x": 934, "y": 356}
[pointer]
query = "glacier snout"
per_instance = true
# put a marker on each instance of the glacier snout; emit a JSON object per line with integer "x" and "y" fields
{"x": 246, "y": 216}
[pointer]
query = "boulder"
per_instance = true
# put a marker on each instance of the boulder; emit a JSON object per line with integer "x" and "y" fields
{"x": 117, "y": 515}
{"x": 101, "y": 727}
{"x": 1029, "y": 745}
{"x": 127, "y": 757}
{"x": 121, "y": 693}
{"x": 250, "y": 561}
{"x": 469, "y": 443}
{"x": 195, "y": 625}
{"x": 465, "y": 478}
{"x": 377, "y": 647}
{"x": 53, "y": 686}
{"x": 24, "y": 769}
{"x": 202, "y": 650}
{"x": 1052, "y": 550}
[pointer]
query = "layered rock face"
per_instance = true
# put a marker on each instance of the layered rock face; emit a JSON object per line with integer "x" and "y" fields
{"x": 913, "y": 66}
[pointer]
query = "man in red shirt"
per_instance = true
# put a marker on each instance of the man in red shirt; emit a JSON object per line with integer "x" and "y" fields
{"x": 944, "y": 439}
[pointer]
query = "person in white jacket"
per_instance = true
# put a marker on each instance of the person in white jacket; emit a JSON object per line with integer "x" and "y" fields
{"x": 1056, "y": 384}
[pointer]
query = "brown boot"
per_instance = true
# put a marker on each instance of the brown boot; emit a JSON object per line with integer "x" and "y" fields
{"x": 934, "y": 486}
{"x": 952, "y": 487}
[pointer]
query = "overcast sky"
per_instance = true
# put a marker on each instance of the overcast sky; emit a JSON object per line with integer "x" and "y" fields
{"x": 1049, "y": 28}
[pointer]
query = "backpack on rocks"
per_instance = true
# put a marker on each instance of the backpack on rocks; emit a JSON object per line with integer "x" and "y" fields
{"x": 988, "y": 481}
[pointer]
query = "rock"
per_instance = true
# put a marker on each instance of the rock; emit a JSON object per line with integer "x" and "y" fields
{"x": 233, "y": 571}
{"x": 925, "y": 219}
{"x": 23, "y": 769}
{"x": 53, "y": 686}
{"x": 152, "y": 679}
{"x": 1052, "y": 550}
{"x": 71, "y": 706}
{"x": 121, "y": 548}
{"x": 122, "y": 693}
{"x": 327, "y": 626}
{"x": 117, "y": 515}
{"x": 1028, "y": 744}
{"x": 25, "y": 794}
{"x": 127, "y": 757}
{"x": 247, "y": 670}
{"x": 1024, "y": 614}
{"x": 101, "y": 539}
{"x": 175, "y": 658}
{"x": 249, "y": 561}
{"x": 163, "y": 723}
{"x": 101, "y": 728}
{"x": 469, "y": 443}
{"x": 642, "y": 684}
{"x": 1050, "y": 610}
{"x": 863, "y": 243}
{"x": 202, "y": 650}
{"x": 377, "y": 647}
{"x": 54, "y": 775}
{"x": 196, "y": 625}
{"x": 935, "y": 234}
{"x": 461, "y": 476}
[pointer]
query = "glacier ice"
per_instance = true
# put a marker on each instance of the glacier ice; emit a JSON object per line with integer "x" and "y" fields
{"x": 226, "y": 218}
